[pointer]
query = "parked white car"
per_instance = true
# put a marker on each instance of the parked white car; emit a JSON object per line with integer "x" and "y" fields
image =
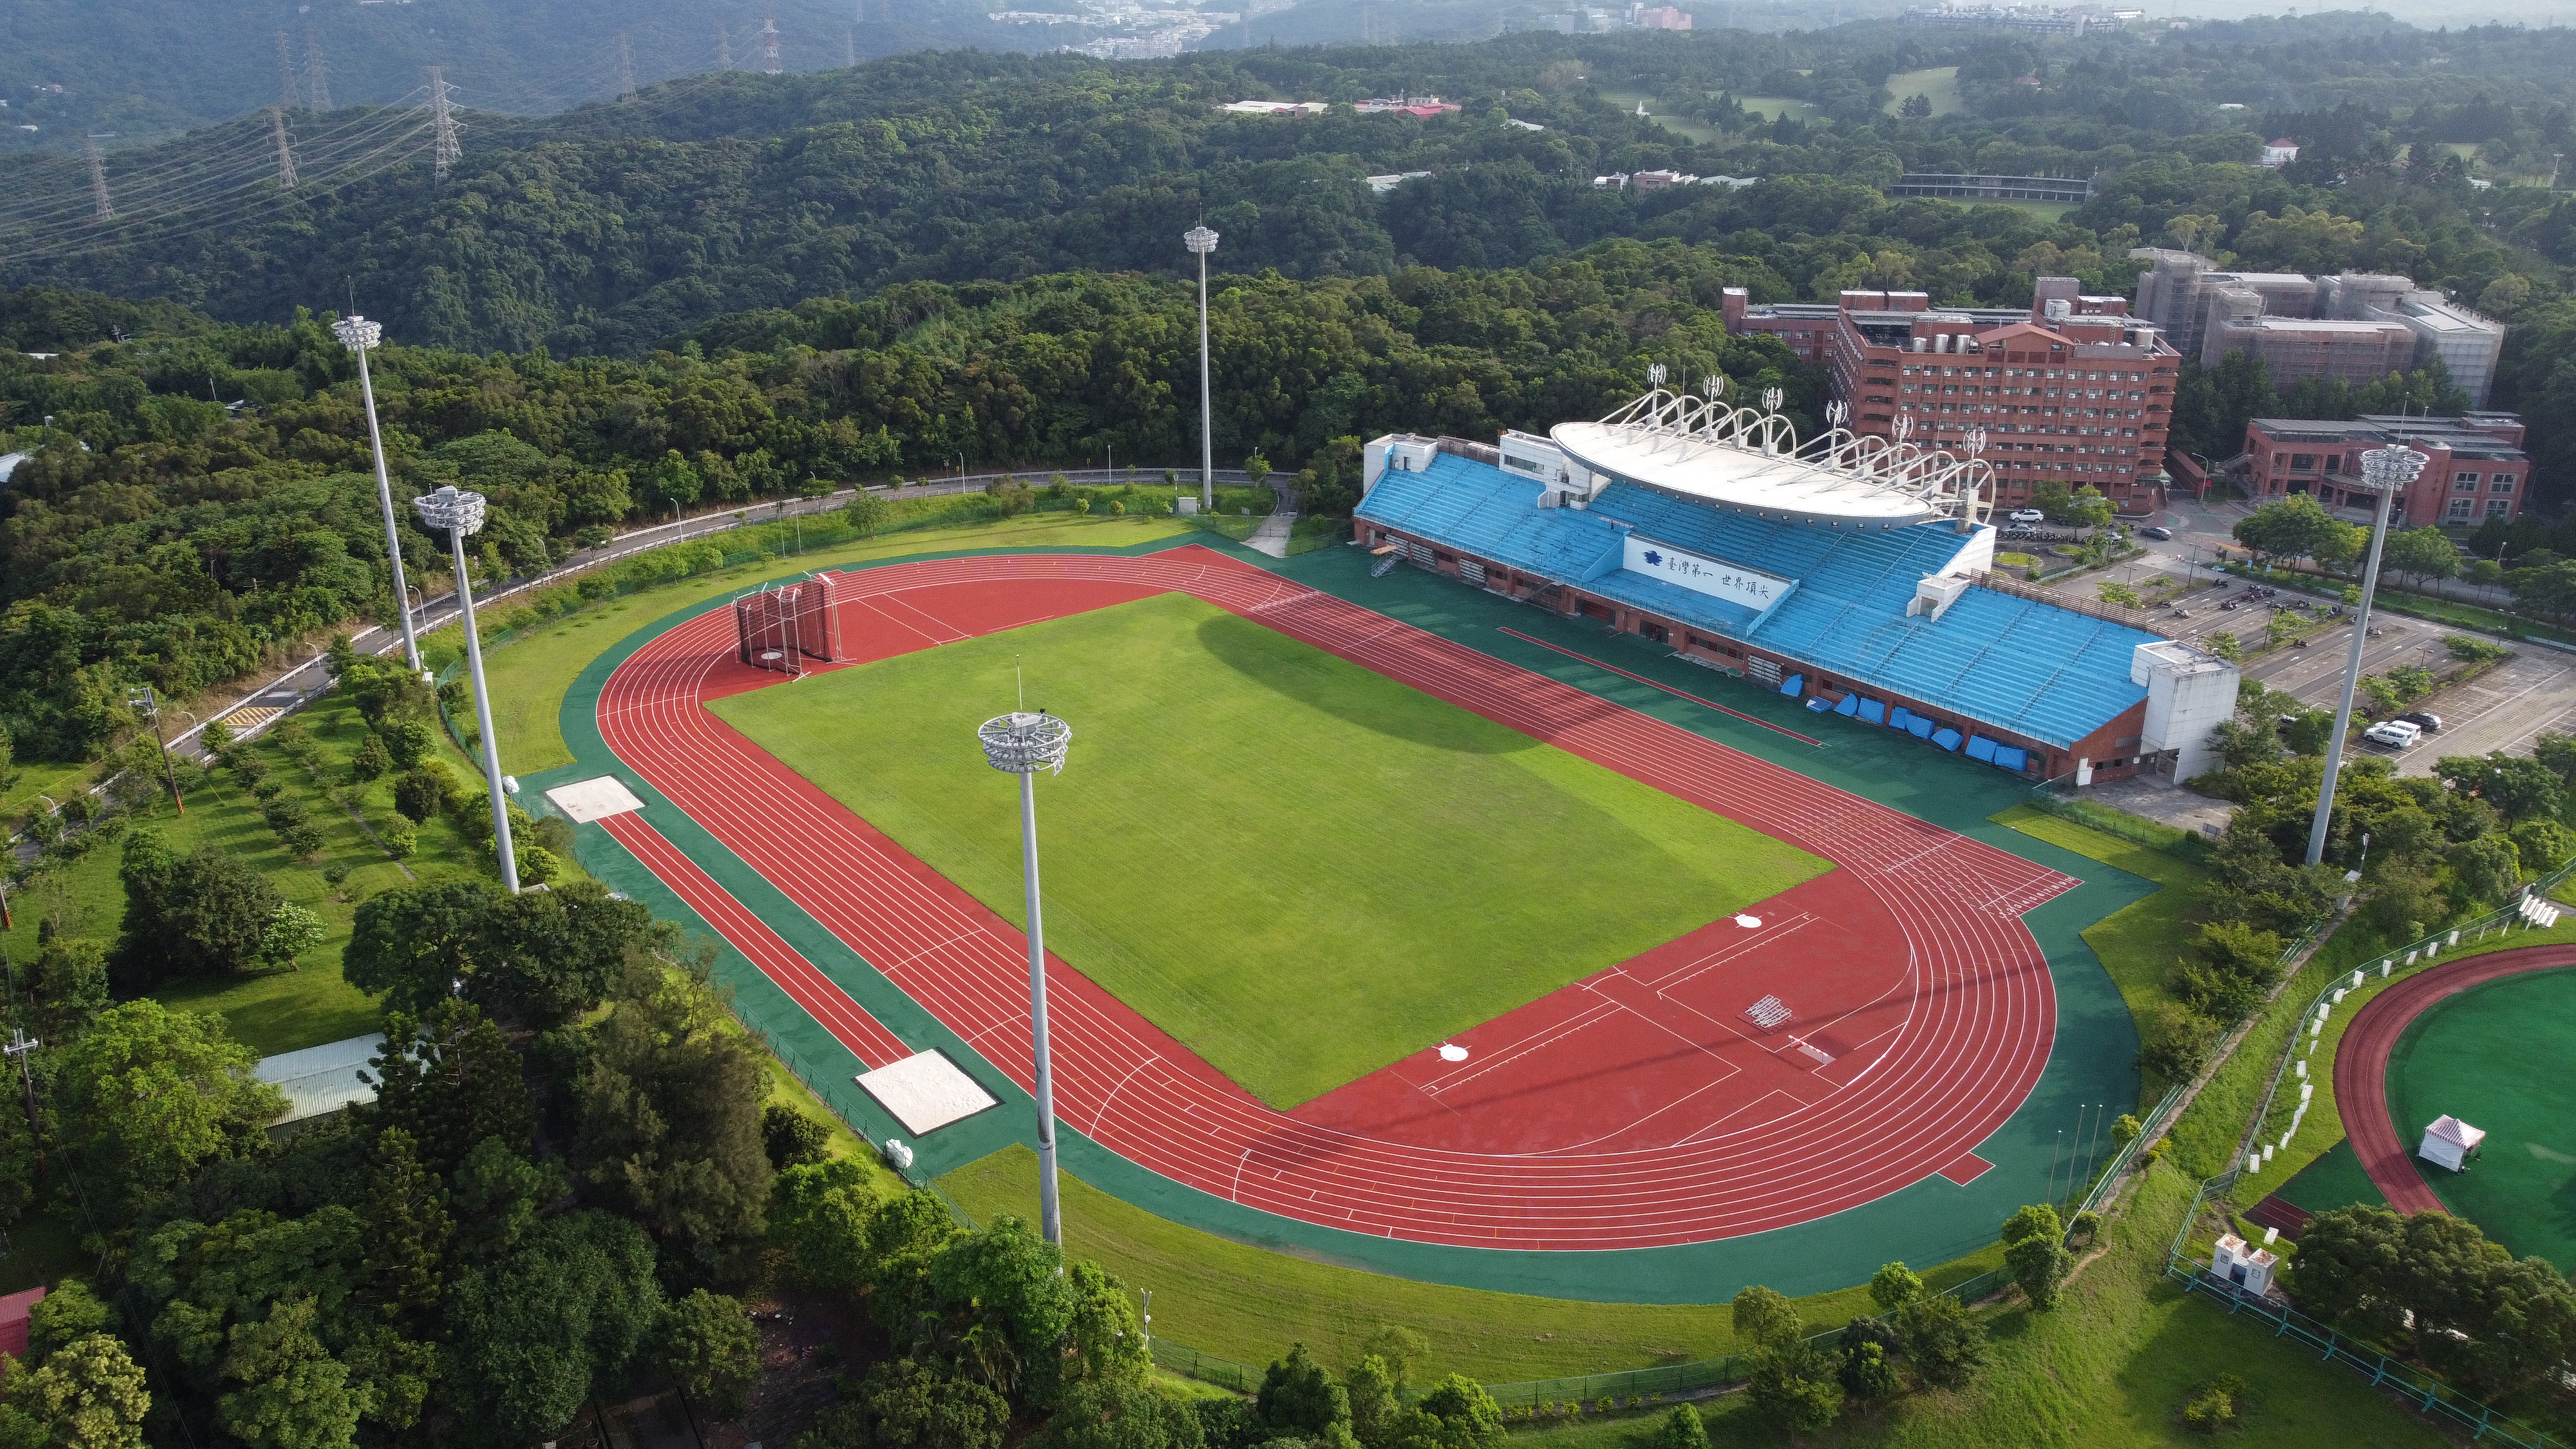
{"x": 2028, "y": 515}
{"x": 2396, "y": 734}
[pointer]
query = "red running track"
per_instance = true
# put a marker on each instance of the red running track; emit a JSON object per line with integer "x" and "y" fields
{"x": 2361, "y": 1064}
{"x": 1949, "y": 1021}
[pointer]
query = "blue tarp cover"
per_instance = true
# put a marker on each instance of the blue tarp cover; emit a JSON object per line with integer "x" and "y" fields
{"x": 1946, "y": 739}
{"x": 1873, "y": 711}
{"x": 1850, "y": 705}
{"x": 1919, "y": 727}
{"x": 2011, "y": 758}
{"x": 1981, "y": 748}
{"x": 1794, "y": 684}
{"x": 1817, "y": 705}
{"x": 1899, "y": 717}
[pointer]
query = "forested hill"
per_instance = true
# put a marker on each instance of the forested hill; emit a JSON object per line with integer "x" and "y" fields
{"x": 603, "y": 229}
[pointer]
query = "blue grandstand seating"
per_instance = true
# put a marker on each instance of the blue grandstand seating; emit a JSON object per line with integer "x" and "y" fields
{"x": 2019, "y": 665}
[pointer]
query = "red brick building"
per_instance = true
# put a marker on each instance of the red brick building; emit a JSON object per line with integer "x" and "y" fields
{"x": 2073, "y": 390}
{"x": 2477, "y": 469}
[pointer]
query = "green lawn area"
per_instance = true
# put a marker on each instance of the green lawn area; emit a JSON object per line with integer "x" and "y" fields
{"x": 1248, "y": 1304}
{"x": 31, "y": 782}
{"x": 2109, "y": 1368}
{"x": 1940, "y": 84}
{"x": 2139, "y": 942}
{"x": 273, "y": 1011}
{"x": 1682, "y": 126}
{"x": 1300, "y": 868}
{"x": 1772, "y": 108}
{"x": 529, "y": 676}
{"x": 2473, "y": 1056}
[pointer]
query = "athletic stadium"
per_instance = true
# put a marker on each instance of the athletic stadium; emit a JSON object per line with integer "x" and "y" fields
{"x": 1455, "y": 921}
{"x": 1853, "y": 573}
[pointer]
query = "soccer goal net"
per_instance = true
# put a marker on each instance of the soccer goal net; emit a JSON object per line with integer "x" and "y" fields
{"x": 782, "y": 627}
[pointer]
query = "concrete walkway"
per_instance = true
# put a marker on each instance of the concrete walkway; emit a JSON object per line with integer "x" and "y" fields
{"x": 1271, "y": 537}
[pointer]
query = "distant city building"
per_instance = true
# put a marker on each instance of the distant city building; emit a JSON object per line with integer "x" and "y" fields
{"x": 1958, "y": 186}
{"x": 2477, "y": 470}
{"x": 1421, "y": 106}
{"x": 1657, "y": 17}
{"x": 2277, "y": 153}
{"x": 1393, "y": 179}
{"x": 1277, "y": 108}
{"x": 1596, "y": 20}
{"x": 1619, "y": 180}
{"x": 2352, "y": 326}
{"x": 2029, "y": 19}
{"x": 2070, "y": 389}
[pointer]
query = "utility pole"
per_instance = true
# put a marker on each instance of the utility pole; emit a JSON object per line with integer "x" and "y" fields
{"x": 101, "y": 207}
{"x": 22, "y": 1046}
{"x": 316, "y": 84}
{"x": 285, "y": 150}
{"x": 769, "y": 43}
{"x": 724, "y": 48}
{"x": 625, "y": 67}
{"x": 444, "y": 150}
{"x": 1202, "y": 241}
{"x": 2388, "y": 472}
{"x": 149, "y": 701}
{"x": 359, "y": 335}
{"x": 287, "y": 95}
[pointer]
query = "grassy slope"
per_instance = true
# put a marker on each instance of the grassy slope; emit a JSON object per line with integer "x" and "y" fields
{"x": 529, "y": 676}
{"x": 1940, "y": 85}
{"x": 1300, "y": 868}
{"x": 2109, "y": 1367}
{"x": 1248, "y": 1304}
{"x": 2137, "y": 943}
{"x": 273, "y": 1011}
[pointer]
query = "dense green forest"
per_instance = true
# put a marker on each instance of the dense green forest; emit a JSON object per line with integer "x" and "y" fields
{"x": 607, "y": 228}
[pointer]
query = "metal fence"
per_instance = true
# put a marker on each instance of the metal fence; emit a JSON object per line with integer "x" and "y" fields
{"x": 2411, "y": 1386}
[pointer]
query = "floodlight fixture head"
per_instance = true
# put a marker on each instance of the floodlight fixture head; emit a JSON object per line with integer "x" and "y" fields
{"x": 1199, "y": 240}
{"x": 451, "y": 510}
{"x": 357, "y": 333}
{"x": 2390, "y": 469}
{"x": 1025, "y": 743}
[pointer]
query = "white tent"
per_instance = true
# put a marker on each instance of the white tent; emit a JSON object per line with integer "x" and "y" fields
{"x": 2450, "y": 1142}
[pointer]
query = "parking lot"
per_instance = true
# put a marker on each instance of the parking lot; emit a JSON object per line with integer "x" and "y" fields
{"x": 2504, "y": 709}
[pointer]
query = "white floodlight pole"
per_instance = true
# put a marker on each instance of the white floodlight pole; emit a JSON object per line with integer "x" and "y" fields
{"x": 459, "y": 513}
{"x": 2387, "y": 472}
{"x": 1202, "y": 241}
{"x": 358, "y": 334}
{"x": 1022, "y": 744}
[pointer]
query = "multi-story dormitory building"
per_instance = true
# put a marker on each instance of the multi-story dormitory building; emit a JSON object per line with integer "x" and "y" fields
{"x": 2071, "y": 388}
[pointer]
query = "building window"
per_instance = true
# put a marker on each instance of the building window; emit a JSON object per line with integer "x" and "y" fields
{"x": 2465, "y": 483}
{"x": 2501, "y": 484}
{"x": 2303, "y": 462}
{"x": 2498, "y": 507}
{"x": 2460, "y": 507}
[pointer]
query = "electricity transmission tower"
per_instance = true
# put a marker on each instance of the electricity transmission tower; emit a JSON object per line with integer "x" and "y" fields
{"x": 769, "y": 43}
{"x": 285, "y": 150}
{"x": 625, "y": 66}
{"x": 287, "y": 94}
{"x": 724, "y": 48}
{"x": 316, "y": 83}
{"x": 104, "y": 209}
{"x": 444, "y": 149}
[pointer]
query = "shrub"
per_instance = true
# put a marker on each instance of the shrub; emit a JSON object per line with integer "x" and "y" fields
{"x": 1681, "y": 1428}
{"x": 407, "y": 741}
{"x": 401, "y": 838}
{"x": 371, "y": 761}
{"x": 1943, "y": 1341}
{"x": 422, "y": 794}
{"x": 2218, "y": 1405}
{"x": 792, "y": 1138}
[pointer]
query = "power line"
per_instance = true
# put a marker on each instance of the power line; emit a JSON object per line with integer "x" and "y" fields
{"x": 625, "y": 67}
{"x": 104, "y": 209}
{"x": 287, "y": 94}
{"x": 444, "y": 149}
{"x": 317, "y": 84}
{"x": 285, "y": 151}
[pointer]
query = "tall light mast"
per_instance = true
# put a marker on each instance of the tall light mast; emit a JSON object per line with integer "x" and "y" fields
{"x": 1202, "y": 241}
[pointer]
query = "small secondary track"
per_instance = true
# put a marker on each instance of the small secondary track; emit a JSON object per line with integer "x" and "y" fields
{"x": 2361, "y": 1064}
{"x": 1638, "y": 1108}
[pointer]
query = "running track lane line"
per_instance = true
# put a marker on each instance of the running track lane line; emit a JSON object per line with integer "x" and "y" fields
{"x": 2361, "y": 1063}
{"x": 1666, "y": 688}
{"x": 1980, "y": 1023}
{"x": 827, "y": 1003}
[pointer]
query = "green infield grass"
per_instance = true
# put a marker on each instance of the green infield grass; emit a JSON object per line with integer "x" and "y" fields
{"x": 2485, "y": 1056}
{"x": 529, "y": 676}
{"x": 1301, "y": 869}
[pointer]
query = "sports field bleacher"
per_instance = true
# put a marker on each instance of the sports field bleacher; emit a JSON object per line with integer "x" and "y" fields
{"x": 2021, "y": 665}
